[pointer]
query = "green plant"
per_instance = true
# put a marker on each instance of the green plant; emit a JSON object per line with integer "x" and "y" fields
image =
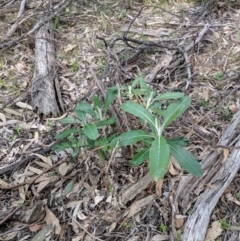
{"x": 91, "y": 132}
{"x": 89, "y": 121}
{"x": 154, "y": 146}
{"x": 18, "y": 129}
{"x": 218, "y": 76}
{"x": 238, "y": 195}
{"x": 163, "y": 228}
{"x": 56, "y": 22}
{"x": 224, "y": 223}
{"x": 75, "y": 66}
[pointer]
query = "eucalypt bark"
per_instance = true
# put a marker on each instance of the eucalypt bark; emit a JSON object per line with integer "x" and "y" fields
{"x": 154, "y": 146}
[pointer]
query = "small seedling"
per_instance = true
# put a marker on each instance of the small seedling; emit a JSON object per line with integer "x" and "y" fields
{"x": 18, "y": 129}
{"x": 224, "y": 223}
{"x": 163, "y": 228}
{"x": 218, "y": 76}
{"x": 238, "y": 195}
{"x": 75, "y": 66}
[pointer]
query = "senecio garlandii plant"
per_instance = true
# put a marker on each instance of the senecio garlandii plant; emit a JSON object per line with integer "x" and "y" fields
{"x": 145, "y": 104}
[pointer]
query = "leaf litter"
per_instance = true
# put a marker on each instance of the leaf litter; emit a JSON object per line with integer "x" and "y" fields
{"x": 123, "y": 203}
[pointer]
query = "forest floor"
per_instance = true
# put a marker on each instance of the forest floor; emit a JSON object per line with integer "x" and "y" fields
{"x": 51, "y": 197}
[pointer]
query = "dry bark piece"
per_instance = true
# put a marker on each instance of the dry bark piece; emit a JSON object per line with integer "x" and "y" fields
{"x": 216, "y": 178}
{"x": 46, "y": 95}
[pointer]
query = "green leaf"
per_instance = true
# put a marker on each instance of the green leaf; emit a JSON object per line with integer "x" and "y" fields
{"x": 96, "y": 102}
{"x": 69, "y": 120}
{"x": 75, "y": 152}
{"x": 186, "y": 101}
{"x": 82, "y": 115}
{"x": 62, "y": 146}
{"x": 66, "y": 133}
{"x": 139, "y": 80}
{"x": 140, "y": 157}
{"x": 169, "y": 96}
{"x": 171, "y": 113}
{"x": 110, "y": 96}
{"x": 139, "y": 111}
{"x": 186, "y": 160}
{"x": 159, "y": 158}
{"x": 91, "y": 131}
{"x": 108, "y": 122}
{"x": 130, "y": 137}
{"x": 69, "y": 187}
{"x": 103, "y": 143}
{"x": 85, "y": 107}
{"x": 178, "y": 141}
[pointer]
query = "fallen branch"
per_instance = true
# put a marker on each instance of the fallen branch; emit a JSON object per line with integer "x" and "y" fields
{"x": 217, "y": 176}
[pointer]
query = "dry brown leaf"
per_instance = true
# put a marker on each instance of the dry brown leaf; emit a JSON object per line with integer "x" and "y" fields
{"x": 225, "y": 154}
{"x": 112, "y": 227}
{"x": 24, "y": 105}
{"x": 179, "y": 220}
{"x": 137, "y": 205}
{"x": 158, "y": 187}
{"x": 27, "y": 146}
{"x": 69, "y": 48}
{"x": 230, "y": 197}
{"x": 47, "y": 160}
{"x": 50, "y": 218}
{"x": 160, "y": 237}
{"x": 35, "y": 227}
{"x": 214, "y": 231}
{"x": 42, "y": 185}
{"x": 64, "y": 167}
{"x": 171, "y": 169}
{"x": 35, "y": 170}
{"x": 3, "y": 117}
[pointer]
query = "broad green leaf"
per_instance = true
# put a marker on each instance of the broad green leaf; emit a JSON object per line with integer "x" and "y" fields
{"x": 108, "y": 122}
{"x": 186, "y": 101}
{"x": 139, "y": 111}
{"x": 159, "y": 158}
{"x": 69, "y": 120}
{"x": 140, "y": 157}
{"x": 66, "y": 133}
{"x": 169, "y": 96}
{"x": 96, "y": 102}
{"x": 103, "y": 143}
{"x": 91, "y": 131}
{"x": 186, "y": 160}
{"x": 69, "y": 187}
{"x": 85, "y": 107}
{"x": 82, "y": 115}
{"x": 130, "y": 137}
{"x": 110, "y": 96}
{"x": 75, "y": 152}
{"x": 62, "y": 146}
{"x": 178, "y": 141}
{"x": 171, "y": 113}
{"x": 139, "y": 80}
